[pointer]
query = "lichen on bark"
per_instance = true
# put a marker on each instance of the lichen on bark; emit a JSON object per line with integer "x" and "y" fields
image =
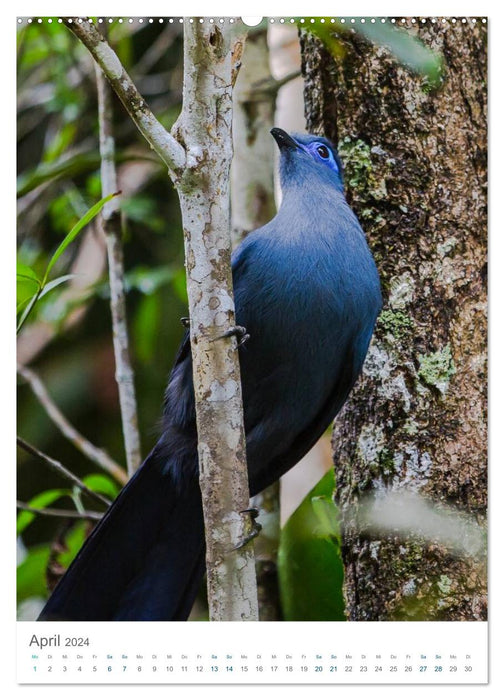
{"x": 416, "y": 421}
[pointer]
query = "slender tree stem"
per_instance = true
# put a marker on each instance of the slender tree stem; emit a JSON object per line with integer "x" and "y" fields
{"x": 211, "y": 59}
{"x": 61, "y": 470}
{"x": 111, "y": 218}
{"x": 95, "y": 454}
{"x": 60, "y": 512}
{"x": 270, "y": 86}
{"x": 200, "y": 171}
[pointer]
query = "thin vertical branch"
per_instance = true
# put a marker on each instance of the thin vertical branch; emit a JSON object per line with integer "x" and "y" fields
{"x": 211, "y": 59}
{"x": 111, "y": 218}
{"x": 95, "y": 454}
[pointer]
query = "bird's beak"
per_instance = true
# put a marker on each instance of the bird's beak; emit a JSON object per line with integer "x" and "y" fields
{"x": 284, "y": 141}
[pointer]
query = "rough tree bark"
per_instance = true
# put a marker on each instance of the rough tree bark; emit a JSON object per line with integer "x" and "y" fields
{"x": 211, "y": 59}
{"x": 416, "y": 177}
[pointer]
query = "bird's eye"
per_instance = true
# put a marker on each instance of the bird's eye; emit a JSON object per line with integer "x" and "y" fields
{"x": 323, "y": 151}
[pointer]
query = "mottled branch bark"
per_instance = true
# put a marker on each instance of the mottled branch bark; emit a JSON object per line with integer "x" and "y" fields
{"x": 211, "y": 60}
{"x": 198, "y": 155}
{"x": 95, "y": 454}
{"x": 416, "y": 177}
{"x": 112, "y": 226}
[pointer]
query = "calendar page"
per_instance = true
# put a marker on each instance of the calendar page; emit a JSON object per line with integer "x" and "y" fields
{"x": 251, "y": 350}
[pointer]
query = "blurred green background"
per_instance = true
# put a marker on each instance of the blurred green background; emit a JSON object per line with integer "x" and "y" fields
{"x": 67, "y": 338}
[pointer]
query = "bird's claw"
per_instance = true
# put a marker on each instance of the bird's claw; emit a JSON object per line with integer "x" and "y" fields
{"x": 239, "y": 332}
{"x": 254, "y": 527}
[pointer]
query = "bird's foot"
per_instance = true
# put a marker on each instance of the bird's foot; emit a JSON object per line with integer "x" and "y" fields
{"x": 239, "y": 332}
{"x": 253, "y": 528}
{"x": 185, "y": 321}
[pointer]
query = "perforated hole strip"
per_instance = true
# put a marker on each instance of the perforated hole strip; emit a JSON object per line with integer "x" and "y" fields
{"x": 404, "y": 21}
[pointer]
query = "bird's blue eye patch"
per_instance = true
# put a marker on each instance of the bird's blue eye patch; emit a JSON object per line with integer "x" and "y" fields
{"x": 323, "y": 154}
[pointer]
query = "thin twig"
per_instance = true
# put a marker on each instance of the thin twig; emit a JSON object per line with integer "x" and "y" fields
{"x": 60, "y": 512}
{"x": 167, "y": 147}
{"x": 113, "y": 233}
{"x": 270, "y": 86}
{"x": 62, "y": 471}
{"x": 155, "y": 51}
{"x": 95, "y": 454}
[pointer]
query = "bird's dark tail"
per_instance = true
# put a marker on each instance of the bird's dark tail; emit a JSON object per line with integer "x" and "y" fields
{"x": 144, "y": 560}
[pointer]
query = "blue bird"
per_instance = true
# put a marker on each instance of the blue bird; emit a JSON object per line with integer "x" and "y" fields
{"x": 307, "y": 291}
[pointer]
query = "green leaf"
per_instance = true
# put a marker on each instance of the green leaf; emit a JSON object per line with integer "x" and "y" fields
{"x": 41, "y": 500}
{"x": 83, "y": 221}
{"x": 310, "y": 567}
{"x": 26, "y": 272}
{"x": 70, "y": 168}
{"x": 101, "y": 484}
{"x": 31, "y": 573}
{"x": 61, "y": 142}
{"x": 66, "y": 167}
{"x": 179, "y": 285}
{"x": 73, "y": 540}
{"x": 28, "y": 285}
{"x": 27, "y": 311}
{"x": 55, "y": 283}
{"x": 146, "y": 324}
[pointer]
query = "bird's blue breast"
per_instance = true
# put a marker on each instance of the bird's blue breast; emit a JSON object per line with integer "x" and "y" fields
{"x": 308, "y": 293}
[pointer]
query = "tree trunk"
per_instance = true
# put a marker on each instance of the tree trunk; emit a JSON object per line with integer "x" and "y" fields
{"x": 416, "y": 172}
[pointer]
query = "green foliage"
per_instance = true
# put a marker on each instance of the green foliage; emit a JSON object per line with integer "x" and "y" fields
{"x": 407, "y": 48}
{"x": 73, "y": 541}
{"x": 53, "y": 170}
{"x": 146, "y": 324}
{"x": 310, "y": 567}
{"x": 41, "y": 500}
{"x": 31, "y": 573}
{"x": 99, "y": 483}
{"x": 58, "y": 180}
{"x": 403, "y": 45}
{"x": 42, "y": 286}
{"x": 83, "y": 221}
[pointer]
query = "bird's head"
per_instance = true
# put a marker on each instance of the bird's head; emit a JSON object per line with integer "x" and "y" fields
{"x": 305, "y": 157}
